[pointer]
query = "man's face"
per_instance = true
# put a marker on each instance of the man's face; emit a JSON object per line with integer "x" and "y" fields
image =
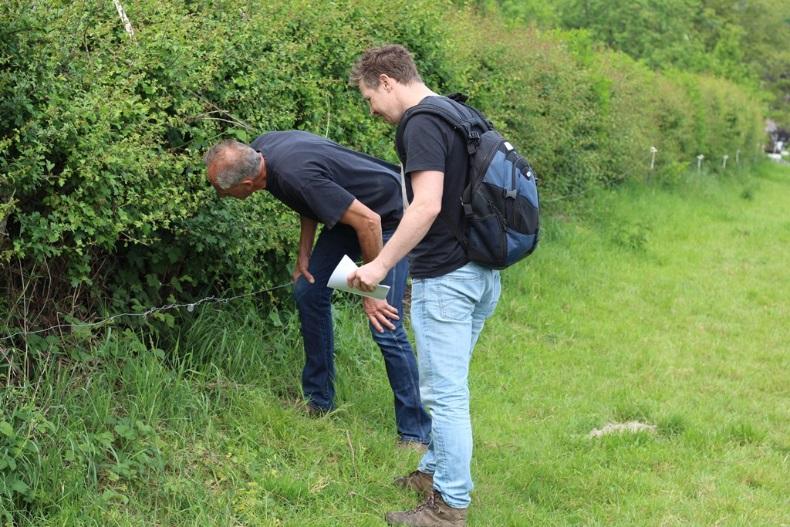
{"x": 241, "y": 190}
{"x": 382, "y": 101}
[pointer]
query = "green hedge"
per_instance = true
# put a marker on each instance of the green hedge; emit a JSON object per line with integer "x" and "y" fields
{"x": 101, "y": 135}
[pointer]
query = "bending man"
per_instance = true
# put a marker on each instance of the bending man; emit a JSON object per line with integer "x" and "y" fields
{"x": 357, "y": 199}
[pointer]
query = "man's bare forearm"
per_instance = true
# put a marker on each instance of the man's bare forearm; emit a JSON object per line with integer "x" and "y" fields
{"x": 370, "y": 241}
{"x": 307, "y": 228}
{"x": 367, "y": 225}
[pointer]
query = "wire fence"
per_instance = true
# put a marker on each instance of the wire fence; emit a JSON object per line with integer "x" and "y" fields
{"x": 190, "y": 306}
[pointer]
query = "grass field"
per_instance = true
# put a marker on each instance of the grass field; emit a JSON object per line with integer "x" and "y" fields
{"x": 667, "y": 306}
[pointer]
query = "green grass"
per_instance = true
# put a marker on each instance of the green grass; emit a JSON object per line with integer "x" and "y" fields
{"x": 667, "y": 306}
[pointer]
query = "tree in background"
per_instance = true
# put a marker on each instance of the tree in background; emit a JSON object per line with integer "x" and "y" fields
{"x": 746, "y": 41}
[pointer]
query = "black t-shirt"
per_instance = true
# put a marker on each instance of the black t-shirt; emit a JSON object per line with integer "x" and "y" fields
{"x": 319, "y": 178}
{"x": 430, "y": 144}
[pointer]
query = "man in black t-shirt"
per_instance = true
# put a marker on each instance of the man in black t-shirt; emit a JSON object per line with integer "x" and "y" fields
{"x": 357, "y": 198}
{"x": 451, "y": 297}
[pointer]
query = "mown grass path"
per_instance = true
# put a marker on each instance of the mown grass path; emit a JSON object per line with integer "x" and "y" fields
{"x": 673, "y": 308}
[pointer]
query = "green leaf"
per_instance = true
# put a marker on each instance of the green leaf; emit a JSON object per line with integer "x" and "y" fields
{"x": 111, "y": 495}
{"x": 104, "y": 439}
{"x": 19, "y": 486}
{"x": 125, "y": 431}
{"x": 240, "y": 134}
{"x": 274, "y": 317}
{"x": 6, "y": 429}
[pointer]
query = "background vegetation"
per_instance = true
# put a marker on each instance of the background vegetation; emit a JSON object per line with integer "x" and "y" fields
{"x": 747, "y": 42}
{"x": 102, "y": 134}
{"x": 104, "y": 209}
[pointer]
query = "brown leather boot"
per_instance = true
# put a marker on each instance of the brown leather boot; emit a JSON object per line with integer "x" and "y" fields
{"x": 417, "y": 481}
{"x": 434, "y": 512}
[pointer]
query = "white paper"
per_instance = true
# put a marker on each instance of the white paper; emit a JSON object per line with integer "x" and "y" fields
{"x": 340, "y": 275}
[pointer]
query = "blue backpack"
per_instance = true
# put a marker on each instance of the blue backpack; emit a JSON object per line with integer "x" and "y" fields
{"x": 500, "y": 200}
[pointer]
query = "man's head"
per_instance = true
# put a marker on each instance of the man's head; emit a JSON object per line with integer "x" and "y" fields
{"x": 235, "y": 169}
{"x": 385, "y": 76}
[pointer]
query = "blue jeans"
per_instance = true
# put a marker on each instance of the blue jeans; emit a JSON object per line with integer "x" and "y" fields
{"x": 447, "y": 315}
{"x": 315, "y": 314}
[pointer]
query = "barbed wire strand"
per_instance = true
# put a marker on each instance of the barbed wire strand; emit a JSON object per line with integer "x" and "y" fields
{"x": 189, "y": 305}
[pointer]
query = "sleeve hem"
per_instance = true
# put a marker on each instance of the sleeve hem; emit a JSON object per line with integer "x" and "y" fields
{"x": 421, "y": 168}
{"x": 335, "y": 218}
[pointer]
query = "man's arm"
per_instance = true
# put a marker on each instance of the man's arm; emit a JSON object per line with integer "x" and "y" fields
{"x": 367, "y": 225}
{"x": 428, "y": 186}
{"x": 307, "y": 230}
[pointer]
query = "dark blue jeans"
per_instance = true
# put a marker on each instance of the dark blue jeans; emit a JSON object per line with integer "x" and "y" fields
{"x": 315, "y": 314}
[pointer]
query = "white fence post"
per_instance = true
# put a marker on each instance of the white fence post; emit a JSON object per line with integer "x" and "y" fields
{"x": 126, "y": 24}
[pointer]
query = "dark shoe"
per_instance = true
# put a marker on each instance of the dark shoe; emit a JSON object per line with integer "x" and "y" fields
{"x": 417, "y": 481}
{"x": 313, "y": 410}
{"x": 434, "y": 512}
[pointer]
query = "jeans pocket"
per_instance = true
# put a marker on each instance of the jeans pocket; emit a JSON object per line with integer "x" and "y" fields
{"x": 456, "y": 299}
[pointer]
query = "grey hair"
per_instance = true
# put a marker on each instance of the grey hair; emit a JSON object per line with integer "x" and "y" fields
{"x": 237, "y": 161}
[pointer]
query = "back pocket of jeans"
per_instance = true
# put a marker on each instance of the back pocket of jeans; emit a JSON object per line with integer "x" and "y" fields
{"x": 456, "y": 302}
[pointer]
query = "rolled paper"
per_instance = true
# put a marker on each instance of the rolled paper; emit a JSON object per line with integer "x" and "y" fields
{"x": 339, "y": 278}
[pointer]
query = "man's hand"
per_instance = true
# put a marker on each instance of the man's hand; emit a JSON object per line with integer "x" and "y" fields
{"x": 367, "y": 277}
{"x": 301, "y": 268}
{"x": 379, "y": 313}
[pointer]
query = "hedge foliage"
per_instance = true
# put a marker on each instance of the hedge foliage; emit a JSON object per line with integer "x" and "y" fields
{"x": 102, "y": 134}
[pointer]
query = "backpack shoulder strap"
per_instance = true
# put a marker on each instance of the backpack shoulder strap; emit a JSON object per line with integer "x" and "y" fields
{"x": 462, "y": 118}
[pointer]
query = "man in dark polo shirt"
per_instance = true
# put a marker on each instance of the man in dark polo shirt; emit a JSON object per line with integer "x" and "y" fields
{"x": 358, "y": 200}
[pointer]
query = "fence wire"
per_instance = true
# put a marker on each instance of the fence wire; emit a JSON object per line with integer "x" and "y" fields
{"x": 190, "y": 306}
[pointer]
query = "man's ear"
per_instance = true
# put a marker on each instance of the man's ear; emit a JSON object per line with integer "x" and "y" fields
{"x": 386, "y": 81}
{"x": 210, "y": 174}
